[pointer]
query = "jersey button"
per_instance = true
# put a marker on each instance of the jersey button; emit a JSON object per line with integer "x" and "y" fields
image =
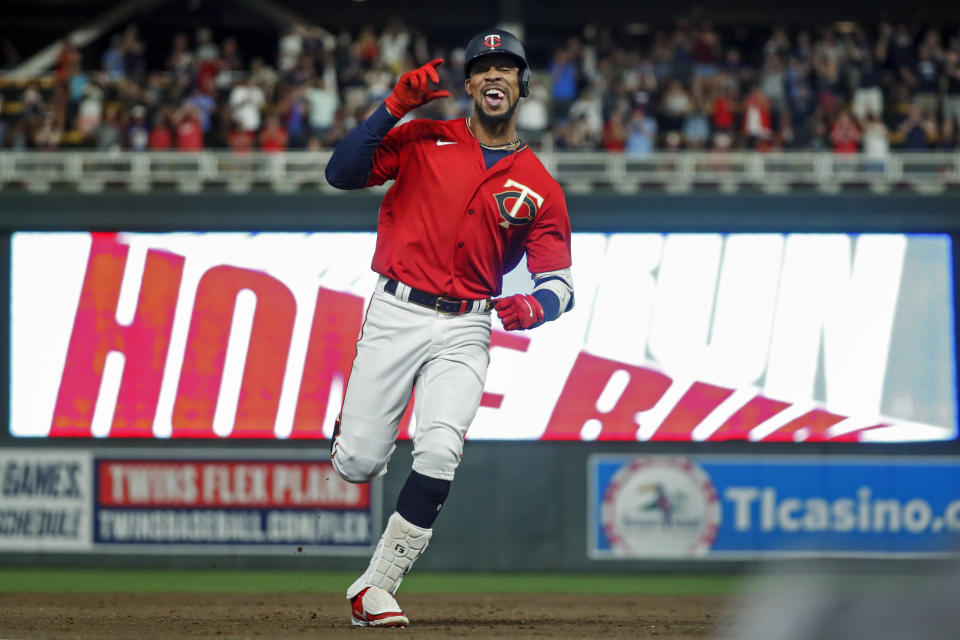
{"x": 460, "y": 244}
{"x": 470, "y": 211}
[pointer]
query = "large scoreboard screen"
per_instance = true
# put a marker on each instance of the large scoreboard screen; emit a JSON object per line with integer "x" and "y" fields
{"x": 674, "y": 337}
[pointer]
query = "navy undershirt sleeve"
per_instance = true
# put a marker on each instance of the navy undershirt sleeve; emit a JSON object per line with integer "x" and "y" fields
{"x": 349, "y": 167}
{"x": 550, "y": 303}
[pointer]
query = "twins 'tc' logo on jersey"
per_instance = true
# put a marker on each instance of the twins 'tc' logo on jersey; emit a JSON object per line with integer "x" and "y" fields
{"x": 518, "y": 206}
{"x": 491, "y": 41}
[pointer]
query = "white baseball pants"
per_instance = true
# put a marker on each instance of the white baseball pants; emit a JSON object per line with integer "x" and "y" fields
{"x": 403, "y": 346}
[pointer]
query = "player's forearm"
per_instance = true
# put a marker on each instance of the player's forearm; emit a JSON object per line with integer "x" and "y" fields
{"x": 554, "y": 291}
{"x": 550, "y": 303}
{"x": 349, "y": 165}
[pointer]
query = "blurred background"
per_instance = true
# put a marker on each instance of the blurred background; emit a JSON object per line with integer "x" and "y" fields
{"x": 761, "y": 365}
{"x": 621, "y": 77}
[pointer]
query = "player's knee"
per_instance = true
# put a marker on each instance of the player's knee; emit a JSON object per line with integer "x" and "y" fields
{"x": 358, "y": 469}
{"x": 360, "y": 460}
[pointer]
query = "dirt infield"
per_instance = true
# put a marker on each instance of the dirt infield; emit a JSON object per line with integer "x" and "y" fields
{"x": 148, "y": 616}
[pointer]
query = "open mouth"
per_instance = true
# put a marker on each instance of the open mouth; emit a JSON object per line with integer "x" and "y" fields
{"x": 494, "y": 97}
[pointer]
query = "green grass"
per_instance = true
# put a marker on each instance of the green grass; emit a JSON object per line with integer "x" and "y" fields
{"x": 117, "y": 580}
{"x": 303, "y": 581}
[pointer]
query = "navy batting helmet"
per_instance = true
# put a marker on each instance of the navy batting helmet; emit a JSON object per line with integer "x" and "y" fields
{"x": 503, "y": 42}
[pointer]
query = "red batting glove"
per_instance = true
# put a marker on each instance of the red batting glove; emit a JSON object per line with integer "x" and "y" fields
{"x": 519, "y": 311}
{"x": 412, "y": 90}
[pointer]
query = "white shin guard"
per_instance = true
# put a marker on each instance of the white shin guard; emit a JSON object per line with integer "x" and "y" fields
{"x": 399, "y": 547}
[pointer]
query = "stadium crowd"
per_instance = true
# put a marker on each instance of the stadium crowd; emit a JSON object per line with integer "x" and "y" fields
{"x": 843, "y": 87}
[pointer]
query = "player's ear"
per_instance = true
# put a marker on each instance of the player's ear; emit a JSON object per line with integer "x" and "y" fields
{"x": 466, "y": 84}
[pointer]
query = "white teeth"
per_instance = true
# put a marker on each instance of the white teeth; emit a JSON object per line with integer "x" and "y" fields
{"x": 494, "y": 92}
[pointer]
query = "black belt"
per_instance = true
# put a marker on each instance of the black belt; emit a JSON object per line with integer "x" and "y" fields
{"x": 450, "y": 306}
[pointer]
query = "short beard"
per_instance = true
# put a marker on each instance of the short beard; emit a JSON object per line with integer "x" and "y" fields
{"x": 497, "y": 120}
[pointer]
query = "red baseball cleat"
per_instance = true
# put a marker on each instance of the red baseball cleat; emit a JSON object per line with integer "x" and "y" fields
{"x": 374, "y": 607}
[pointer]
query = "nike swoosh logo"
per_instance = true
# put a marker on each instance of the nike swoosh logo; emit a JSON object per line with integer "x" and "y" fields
{"x": 440, "y": 143}
{"x": 529, "y": 308}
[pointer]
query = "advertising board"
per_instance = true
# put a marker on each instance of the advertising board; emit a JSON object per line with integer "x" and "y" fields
{"x": 733, "y": 507}
{"x": 45, "y": 500}
{"x": 187, "y": 501}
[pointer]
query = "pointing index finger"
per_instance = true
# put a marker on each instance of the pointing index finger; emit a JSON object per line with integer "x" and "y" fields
{"x": 431, "y": 68}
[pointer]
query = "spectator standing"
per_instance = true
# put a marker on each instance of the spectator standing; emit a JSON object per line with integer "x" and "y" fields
{"x": 230, "y": 67}
{"x": 134, "y": 60}
{"x": 109, "y": 136}
{"x": 180, "y": 61}
{"x": 206, "y": 49}
{"x": 682, "y": 63}
{"x": 564, "y": 75}
{"x": 801, "y": 98}
{"x": 696, "y": 126}
{"x": 723, "y": 109}
{"x": 300, "y": 75}
{"x": 828, "y": 82}
{"x": 189, "y": 130}
{"x": 867, "y": 97}
{"x": 757, "y": 120}
{"x": 675, "y": 106}
{"x": 614, "y": 133}
{"x": 951, "y": 87}
{"x": 112, "y": 58}
{"x": 323, "y": 102}
{"x": 918, "y": 131}
{"x": 735, "y": 70}
{"x": 589, "y": 108}
{"x": 239, "y": 140}
{"x": 138, "y": 135}
{"x": 367, "y": 47}
{"x": 641, "y": 132}
{"x": 706, "y": 52}
{"x": 379, "y": 82}
{"x": 230, "y": 56}
{"x": 926, "y": 80}
{"x": 901, "y": 53}
{"x": 68, "y": 59}
{"x": 290, "y": 48}
{"x": 273, "y": 138}
{"x": 263, "y": 76}
{"x": 76, "y": 84}
{"x": 773, "y": 81}
{"x": 246, "y": 101}
{"x": 950, "y": 135}
{"x": 161, "y": 137}
{"x": 90, "y": 110}
{"x": 202, "y": 99}
{"x": 802, "y": 46}
{"x": 876, "y": 141}
{"x": 778, "y": 44}
{"x": 394, "y": 43}
{"x": 295, "y": 115}
{"x": 845, "y": 134}
{"x": 533, "y": 117}
{"x": 48, "y": 133}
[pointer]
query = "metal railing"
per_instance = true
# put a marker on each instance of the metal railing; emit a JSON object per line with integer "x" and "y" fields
{"x": 930, "y": 173}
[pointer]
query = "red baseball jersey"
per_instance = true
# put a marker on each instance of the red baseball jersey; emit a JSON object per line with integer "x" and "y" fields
{"x": 449, "y": 225}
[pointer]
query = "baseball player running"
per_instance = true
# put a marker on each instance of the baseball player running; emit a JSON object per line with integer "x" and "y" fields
{"x": 469, "y": 199}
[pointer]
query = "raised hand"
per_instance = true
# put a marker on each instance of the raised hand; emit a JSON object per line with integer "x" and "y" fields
{"x": 413, "y": 89}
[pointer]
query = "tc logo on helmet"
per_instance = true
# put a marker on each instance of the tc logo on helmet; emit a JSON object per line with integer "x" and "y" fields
{"x": 491, "y": 41}
{"x": 518, "y": 206}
